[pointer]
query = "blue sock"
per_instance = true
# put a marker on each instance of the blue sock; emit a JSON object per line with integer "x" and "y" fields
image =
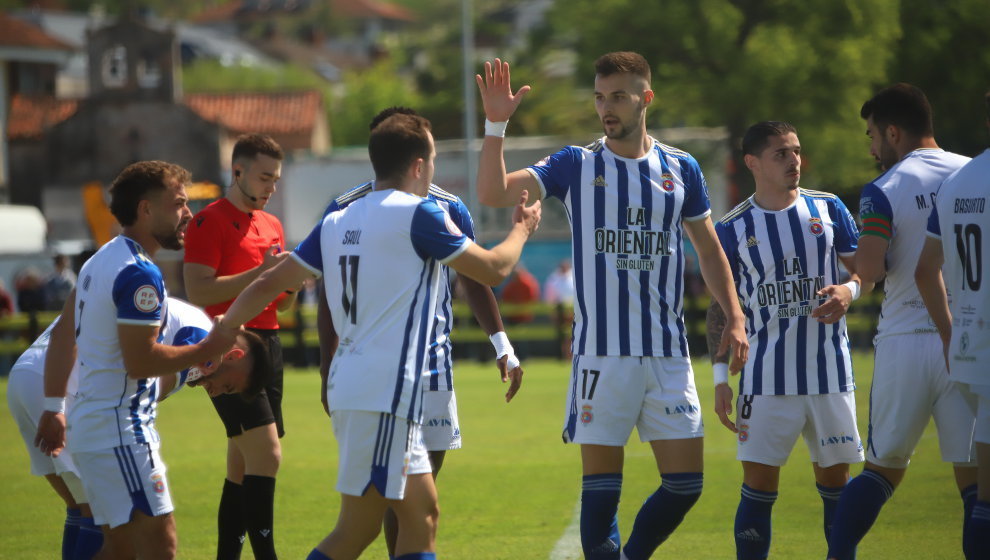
{"x": 662, "y": 513}
{"x": 979, "y": 532}
{"x": 830, "y": 499}
{"x": 418, "y": 556}
{"x": 858, "y": 508}
{"x": 70, "y": 532}
{"x": 317, "y": 555}
{"x": 90, "y": 540}
{"x": 753, "y": 527}
{"x": 599, "y": 516}
{"x": 968, "y": 495}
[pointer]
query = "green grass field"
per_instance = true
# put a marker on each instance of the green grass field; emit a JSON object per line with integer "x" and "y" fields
{"x": 509, "y": 494}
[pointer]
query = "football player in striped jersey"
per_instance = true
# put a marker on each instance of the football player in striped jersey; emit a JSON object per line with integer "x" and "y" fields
{"x": 784, "y": 246}
{"x": 630, "y": 200}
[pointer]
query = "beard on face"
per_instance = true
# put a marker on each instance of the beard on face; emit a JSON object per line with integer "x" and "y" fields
{"x": 171, "y": 240}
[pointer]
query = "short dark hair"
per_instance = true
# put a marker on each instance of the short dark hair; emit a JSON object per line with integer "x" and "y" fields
{"x": 901, "y": 105}
{"x": 386, "y": 113}
{"x": 623, "y": 62}
{"x": 260, "y": 374}
{"x": 248, "y": 146}
{"x": 137, "y": 182}
{"x": 987, "y": 99}
{"x": 758, "y": 136}
{"x": 396, "y": 142}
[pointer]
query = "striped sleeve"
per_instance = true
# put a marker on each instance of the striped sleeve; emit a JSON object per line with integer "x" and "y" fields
{"x": 876, "y": 212}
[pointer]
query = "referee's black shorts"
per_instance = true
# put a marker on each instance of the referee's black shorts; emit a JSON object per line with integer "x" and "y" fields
{"x": 239, "y": 415}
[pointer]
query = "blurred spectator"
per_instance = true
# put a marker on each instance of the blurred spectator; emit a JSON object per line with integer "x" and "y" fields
{"x": 59, "y": 284}
{"x": 521, "y": 287}
{"x": 30, "y": 290}
{"x": 6, "y": 301}
{"x": 559, "y": 287}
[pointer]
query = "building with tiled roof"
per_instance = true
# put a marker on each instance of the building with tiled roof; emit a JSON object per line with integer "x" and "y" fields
{"x": 29, "y": 59}
{"x": 295, "y": 119}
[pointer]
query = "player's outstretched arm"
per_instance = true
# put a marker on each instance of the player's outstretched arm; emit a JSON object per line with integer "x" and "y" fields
{"x": 286, "y": 275}
{"x": 60, "y": 358}
{"x": 483, "y": 304}
{"x": 204, "y": 287}
{"x": 715, "y": 323}
{"x": 931, "y": 286}
{"x": 493, "y": 266}
{"x": 718, "y": 277}
{"x": 495, "y": 187}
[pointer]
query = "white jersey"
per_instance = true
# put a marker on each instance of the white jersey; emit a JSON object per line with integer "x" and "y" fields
{"x": 382, "y": 254}
{"x": 32, "y": 362}
{"x": 895, "y": 207}
{"x": 627, "y": 244}
{"x": 962, "y": 211}
{"x": 779, "y": 261}
{"x": 185, "y": 325}
{"x": 439, "y": 358}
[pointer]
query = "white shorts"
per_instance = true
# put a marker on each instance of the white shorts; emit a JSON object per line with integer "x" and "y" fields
{"x": 911, "y": 385}
{"x": 769, "y": 426}
{"x": 123, "y": 479}
{"x": 609, "y": 395}
{"x": 377, "y": 449}
{"x": 26, "y": 399}
{"x": 982, "y": 393}
{"x": 441, "y": 430}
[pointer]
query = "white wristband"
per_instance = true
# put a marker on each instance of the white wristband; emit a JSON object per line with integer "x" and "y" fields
{"x": 495, "y": 128}
{"x": 55, "y": 404}
{"x": 501, "y": 343}
{"x": 854, "y": 288}
{"x": 720, "y": 373}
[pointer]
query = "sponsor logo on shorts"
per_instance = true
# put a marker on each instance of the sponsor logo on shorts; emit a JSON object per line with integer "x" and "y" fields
{"x": 586, "y": 415}
{"x": 837, "y": 440}
{"x": 439, "y": 422}
{"x": 157, "y": 483}
{"x": 743, "y": 433}
{"x": 681, "y": 409}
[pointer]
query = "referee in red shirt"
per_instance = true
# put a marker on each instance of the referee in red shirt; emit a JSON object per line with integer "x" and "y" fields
{"x": 229, "y": 244}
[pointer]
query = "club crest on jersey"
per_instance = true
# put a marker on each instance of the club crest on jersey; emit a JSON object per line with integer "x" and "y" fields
{"x": 146, "y": 298}
{"x": 667, "y": 182}
{"x": 157, "y": 483}
{"x": 599, "y": 182}
{"x": 743, "y": 433}
{"x": 815, "y": 226}
{"x": 586, "y": 415}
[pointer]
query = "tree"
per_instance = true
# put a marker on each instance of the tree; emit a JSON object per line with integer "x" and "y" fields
{"x": 943, "y": 51}
{"x": 736, "y": 62}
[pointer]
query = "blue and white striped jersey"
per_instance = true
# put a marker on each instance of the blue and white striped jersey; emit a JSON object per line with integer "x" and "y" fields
{"x": 627, "y": 244}
{"x": 439, "y": 361}
{"x": 779, "y": 261}
{"x": 382, "y": 254}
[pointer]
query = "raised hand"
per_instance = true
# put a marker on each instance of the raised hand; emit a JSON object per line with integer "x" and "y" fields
{"x": 496, "y": 91}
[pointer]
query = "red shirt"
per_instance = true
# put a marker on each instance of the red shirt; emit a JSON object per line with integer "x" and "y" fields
{"x": 230, "y": 241}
